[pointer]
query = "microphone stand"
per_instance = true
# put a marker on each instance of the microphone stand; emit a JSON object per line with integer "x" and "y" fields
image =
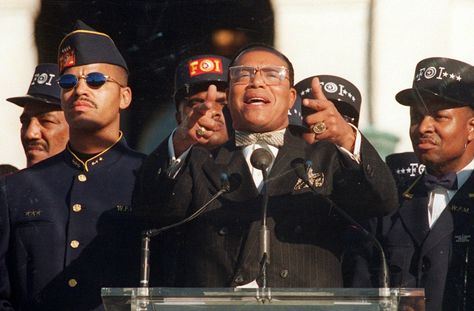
{"x": 148, "y": 234}
{"x": 264, "y": 233}
{"x": 261, "y": 159}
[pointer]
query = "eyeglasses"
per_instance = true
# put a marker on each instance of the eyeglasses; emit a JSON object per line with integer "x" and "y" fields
{"x": 93, "y": 79}
{"x": 271, "y": 75}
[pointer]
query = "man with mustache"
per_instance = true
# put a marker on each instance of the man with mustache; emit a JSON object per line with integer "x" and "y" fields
{"x": 66, "y": 224}
{"x": 220, "y": 247}
{"x": 44, "y": 130}
{"x": 428, "y": 240}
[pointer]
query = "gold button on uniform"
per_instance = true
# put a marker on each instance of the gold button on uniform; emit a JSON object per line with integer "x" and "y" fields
{"x": 77, "y": 208}
{"x": 74, "y": 244}
{"x": 82, "y": 178}
{"x": 72, "y": 282}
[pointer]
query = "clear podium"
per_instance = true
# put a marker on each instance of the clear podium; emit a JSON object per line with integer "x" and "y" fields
{"x": 254, "y": 299}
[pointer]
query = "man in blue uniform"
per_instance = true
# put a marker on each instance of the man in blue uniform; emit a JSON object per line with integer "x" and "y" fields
{"x": 44, "y": 130}
{"x": 66, "y": 225}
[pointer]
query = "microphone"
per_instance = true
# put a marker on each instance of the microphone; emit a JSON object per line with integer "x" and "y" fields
{"x": 228, "y": 184}
{"x": 301, "y": 167}
{"x": 261, "y": 159}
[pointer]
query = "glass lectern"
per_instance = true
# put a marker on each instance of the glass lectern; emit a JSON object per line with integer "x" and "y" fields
{"x": 254, "y": 299}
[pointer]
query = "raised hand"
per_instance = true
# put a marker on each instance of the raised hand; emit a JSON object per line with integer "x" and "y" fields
{"x": 326, "y": 123}
{"x": 198, "y": 126}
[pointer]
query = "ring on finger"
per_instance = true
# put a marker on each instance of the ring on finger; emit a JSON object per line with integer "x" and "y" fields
{"x": 319, "y": 127}
{"x": 201, "y": 131}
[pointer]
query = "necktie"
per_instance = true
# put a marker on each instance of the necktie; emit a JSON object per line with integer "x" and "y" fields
{"x": 448, "y": 181}
{"x": 271, "y": 138}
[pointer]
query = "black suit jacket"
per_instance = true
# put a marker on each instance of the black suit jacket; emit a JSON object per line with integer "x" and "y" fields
{"x": 433, "y": 259}
{"x": 220, "y": 248}
{"x": 66, "y": 230}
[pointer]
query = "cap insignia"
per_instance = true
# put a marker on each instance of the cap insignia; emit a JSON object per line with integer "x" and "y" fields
{"x": 204, "y": 66}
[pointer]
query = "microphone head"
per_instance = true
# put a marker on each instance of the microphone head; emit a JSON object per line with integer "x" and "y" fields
{"x": 230, "y": 183}
{"x": 261, "y": 159}
{"x": 299, "y": 166}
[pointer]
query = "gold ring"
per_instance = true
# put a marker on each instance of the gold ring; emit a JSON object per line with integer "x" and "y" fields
{"x": 201, "y": 131}
{"x": 318, "y": 127}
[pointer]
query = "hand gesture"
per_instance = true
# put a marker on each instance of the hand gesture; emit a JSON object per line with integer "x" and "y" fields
{"x": 199, "y": 125}
{"x": 326, "y": 122}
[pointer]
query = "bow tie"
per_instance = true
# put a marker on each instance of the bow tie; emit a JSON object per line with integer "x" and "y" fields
{"x": 271, "y": 138}
{"x": 448, "y": 181}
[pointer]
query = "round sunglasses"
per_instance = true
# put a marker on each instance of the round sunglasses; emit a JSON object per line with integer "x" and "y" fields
{"x": 93, "y": 79}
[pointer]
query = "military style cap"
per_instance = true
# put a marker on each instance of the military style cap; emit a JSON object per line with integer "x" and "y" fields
{"x": 295, "y": 117}
{"x": 438, "y": 78}
{"x": 43, "y": 87}
{"x": 86, "y": 46}
{"x": 196, "y": 73}
{"x": 345, "y": 96}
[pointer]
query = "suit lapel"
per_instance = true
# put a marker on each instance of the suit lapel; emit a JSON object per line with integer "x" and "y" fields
{"x": 231, "y": 160}
{"x": 442, "y": 228}
{"x": 282, "y": 178}
{"x": 413, "y": 214}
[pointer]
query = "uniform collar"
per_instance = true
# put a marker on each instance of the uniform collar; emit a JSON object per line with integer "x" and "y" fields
{"x": 107, "y": 155}
{"x": 462, "y": 176}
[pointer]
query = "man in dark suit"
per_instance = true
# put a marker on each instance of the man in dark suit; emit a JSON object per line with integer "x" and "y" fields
{"x": 66, "y": 224}
{"x": 201, "y": 113}
{"x": 202, "y": 118}
{"x": 428, "y": 239}
{"x": 44, "y": 130}
{"x": 220, "y": 247}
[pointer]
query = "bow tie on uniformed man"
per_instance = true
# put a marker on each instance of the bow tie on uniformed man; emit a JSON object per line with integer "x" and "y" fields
{"x": 448, "y": 181}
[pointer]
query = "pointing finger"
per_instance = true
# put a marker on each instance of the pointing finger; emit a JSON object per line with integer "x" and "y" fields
{"x": 317, "y": 90}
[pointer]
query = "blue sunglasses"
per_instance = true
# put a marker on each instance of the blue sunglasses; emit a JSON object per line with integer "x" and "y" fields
{"x": 93, "y": 79}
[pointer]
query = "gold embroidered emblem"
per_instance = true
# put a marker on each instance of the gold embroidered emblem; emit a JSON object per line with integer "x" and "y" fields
{"x": 300, "y": 184}
{"x": 315, "y": 179}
